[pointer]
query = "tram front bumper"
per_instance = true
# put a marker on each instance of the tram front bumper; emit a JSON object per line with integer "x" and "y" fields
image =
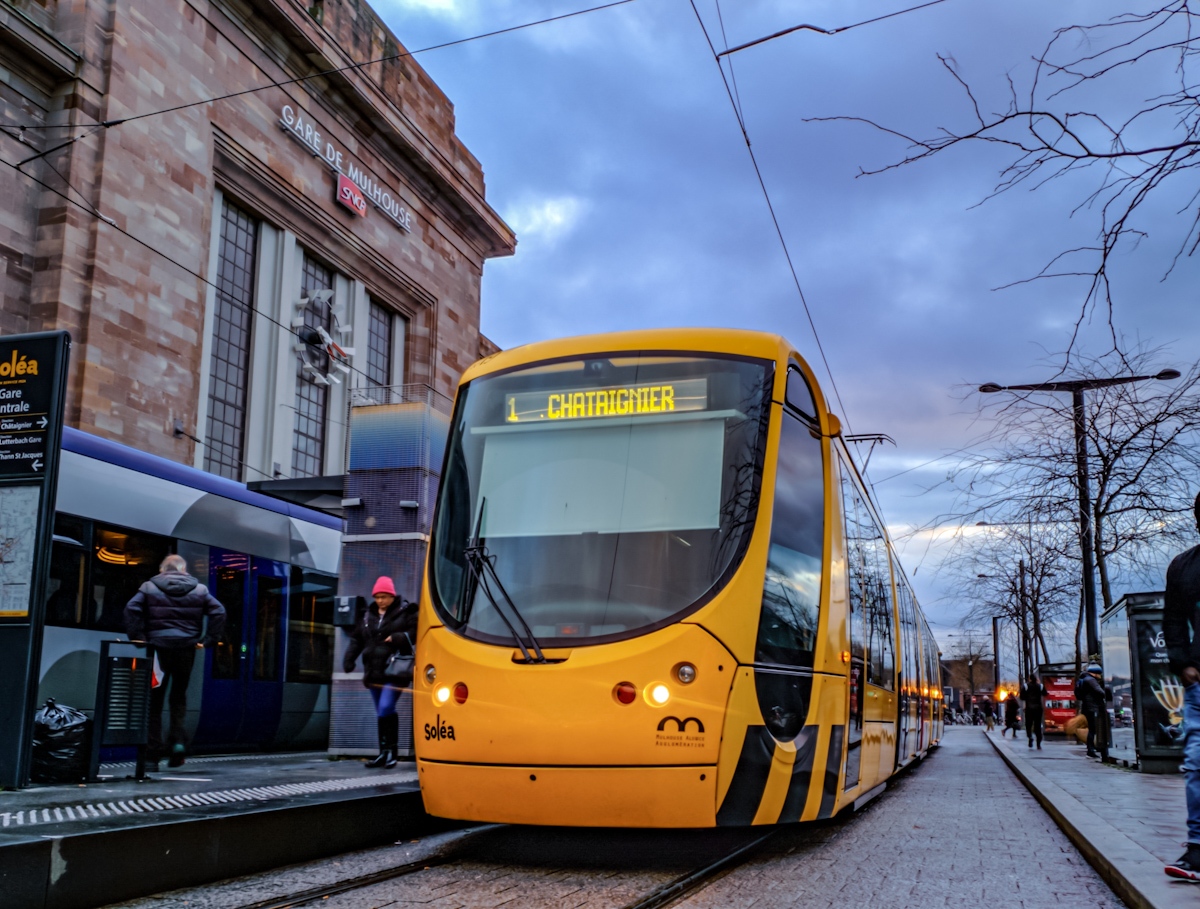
{"x": 677, "y": 796}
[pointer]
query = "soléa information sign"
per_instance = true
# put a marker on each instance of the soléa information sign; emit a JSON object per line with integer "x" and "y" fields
{"x": 32, "y": 386}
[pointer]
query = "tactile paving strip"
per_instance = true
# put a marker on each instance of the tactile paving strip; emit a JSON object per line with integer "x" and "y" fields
{"x": 90, "y": 810}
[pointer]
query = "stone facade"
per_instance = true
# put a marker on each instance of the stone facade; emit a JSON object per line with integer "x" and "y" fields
{"x": 114, "y": 236}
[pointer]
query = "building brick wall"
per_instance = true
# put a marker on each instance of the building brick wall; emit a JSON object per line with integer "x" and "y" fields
{"x": 133, "y": 292}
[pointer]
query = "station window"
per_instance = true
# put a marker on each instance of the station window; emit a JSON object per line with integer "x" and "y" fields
{"x": 379, "y": 345}
{"x": 229, "y": 366}
{"x": 310, "y": 627}
{"x": 312, "y": 394}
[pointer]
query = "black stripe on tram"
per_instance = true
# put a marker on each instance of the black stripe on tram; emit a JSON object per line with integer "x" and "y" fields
{"x": 833, "y": 765}
{"x": 797, "y": 794}
{"x": 749, "y": 779}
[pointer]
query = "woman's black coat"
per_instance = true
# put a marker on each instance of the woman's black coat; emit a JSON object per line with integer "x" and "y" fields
{"x": 369, "y": 638}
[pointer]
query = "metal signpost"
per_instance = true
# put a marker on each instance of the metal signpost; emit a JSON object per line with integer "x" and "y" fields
{"x": 33, "y": 371}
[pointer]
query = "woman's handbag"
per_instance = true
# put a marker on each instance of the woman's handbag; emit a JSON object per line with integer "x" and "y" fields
{"x": 399, "y": 666}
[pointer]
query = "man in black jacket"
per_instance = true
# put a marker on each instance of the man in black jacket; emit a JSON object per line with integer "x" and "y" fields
{"x": 1181, "y": 629}
{"x": 168, "y": 612}
{"x": 1090, "y": 692}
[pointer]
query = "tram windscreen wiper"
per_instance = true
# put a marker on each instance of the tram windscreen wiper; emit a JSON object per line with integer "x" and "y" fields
{"x": 481, "y": 575}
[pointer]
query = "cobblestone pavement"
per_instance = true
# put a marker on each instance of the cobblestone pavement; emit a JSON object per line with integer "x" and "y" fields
{"x": 958, "y": 831}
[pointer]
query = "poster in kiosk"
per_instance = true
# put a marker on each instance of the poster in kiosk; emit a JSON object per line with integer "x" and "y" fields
{"x": 33, "y": 370}
{"x": 1147, "y": 696}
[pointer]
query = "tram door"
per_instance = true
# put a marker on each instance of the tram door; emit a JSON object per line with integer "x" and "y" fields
{"x": 243, "y": 679}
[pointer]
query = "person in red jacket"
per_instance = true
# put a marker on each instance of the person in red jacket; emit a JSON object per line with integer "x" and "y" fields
{"x": 386, "y": 628}
{"x": 169, "y": 612}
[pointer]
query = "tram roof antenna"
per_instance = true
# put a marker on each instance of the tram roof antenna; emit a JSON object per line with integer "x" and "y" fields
{"x": 875, "y": 438}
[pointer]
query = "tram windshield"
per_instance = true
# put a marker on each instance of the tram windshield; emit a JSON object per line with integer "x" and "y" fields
{"x": 611, "y": 494}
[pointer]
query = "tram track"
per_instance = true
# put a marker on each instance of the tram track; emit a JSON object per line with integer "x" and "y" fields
{"x": 657, "y": 897}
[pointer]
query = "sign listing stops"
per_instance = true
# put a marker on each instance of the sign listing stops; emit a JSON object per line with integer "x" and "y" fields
{"x": 33, "y": 370}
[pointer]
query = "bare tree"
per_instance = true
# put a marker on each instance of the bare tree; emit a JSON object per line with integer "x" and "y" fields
{"x": 1019, "y": 573}
{"x": 1144, "y": 470}
{"x": 1135, "y": 150}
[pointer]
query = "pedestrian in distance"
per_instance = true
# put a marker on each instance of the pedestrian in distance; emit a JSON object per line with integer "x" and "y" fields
{"x": 1012, "y": 716}
{"x": 388, "y": 626}
{"x": 169, "y": 612}
{"x": 1033, "y": 696}
{"x": 1090, "y": 692}
{"x": 989, "y": 715}
{"x": 1181, "y": 630}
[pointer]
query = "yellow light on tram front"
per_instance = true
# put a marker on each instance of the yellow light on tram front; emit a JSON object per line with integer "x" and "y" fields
{"x": 658, "y": 694}
{"x": 442, "y": 695}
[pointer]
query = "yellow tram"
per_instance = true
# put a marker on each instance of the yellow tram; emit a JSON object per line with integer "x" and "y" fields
{"x": 658, "y": 595}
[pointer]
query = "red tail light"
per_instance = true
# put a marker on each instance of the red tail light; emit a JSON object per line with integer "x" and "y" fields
{"x": 460, "y": 693}
{"x": 625, "y": 693}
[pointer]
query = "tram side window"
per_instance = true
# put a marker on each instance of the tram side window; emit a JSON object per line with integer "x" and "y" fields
{"x": 95, "y": 569}
{"x": 854, "y": 562}
{"x": 66, "y": 589}
{"x": 122, "y": 560}
{"x": 870, "y": 585}
{"x": 787, "y": 629}
{"x": 310, "y": 627}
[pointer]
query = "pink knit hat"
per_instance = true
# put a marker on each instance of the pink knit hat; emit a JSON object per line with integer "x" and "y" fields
{"x": 384, "y": 585}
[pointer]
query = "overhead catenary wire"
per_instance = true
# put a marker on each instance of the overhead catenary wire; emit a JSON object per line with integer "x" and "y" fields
{"x": 341, "y": 69}
{"x": 771, "y": 208}
{"x": 826, "y": 31}
{"x": 98, "y": 215}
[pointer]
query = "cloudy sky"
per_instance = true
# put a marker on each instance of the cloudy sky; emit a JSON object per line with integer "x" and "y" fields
{"x": 610, "y": 145}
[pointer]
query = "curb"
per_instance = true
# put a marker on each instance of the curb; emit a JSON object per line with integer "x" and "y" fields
{"x": 1134, "y": 874}
{"x": 91, "y": 869}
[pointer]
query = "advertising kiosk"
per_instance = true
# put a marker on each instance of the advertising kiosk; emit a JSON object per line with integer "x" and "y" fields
{"x": 1147, "y": 696}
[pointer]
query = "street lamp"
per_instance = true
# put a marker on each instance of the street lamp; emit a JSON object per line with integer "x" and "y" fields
{"x": 1077, "y": 387}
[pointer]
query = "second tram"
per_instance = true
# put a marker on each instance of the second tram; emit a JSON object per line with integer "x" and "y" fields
{"x": 658, "y": 594}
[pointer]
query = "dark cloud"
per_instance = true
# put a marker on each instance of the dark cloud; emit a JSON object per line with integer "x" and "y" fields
{"x": 609, "y": 142}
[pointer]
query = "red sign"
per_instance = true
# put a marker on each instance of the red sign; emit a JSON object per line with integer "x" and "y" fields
{"x": 351, "y": 196}
{"x": 1060, "y": 700}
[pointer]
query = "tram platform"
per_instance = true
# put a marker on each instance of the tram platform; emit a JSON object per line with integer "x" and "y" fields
{"x": 1127, "y": 824}
{"x": 84, "y": 845}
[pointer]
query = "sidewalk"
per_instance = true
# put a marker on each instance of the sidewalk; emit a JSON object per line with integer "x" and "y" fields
{"x": 1128, "y": 825}
{"x": 82, "y": 845}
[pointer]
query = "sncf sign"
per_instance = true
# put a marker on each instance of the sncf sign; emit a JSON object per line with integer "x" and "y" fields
{"x": 349, "y": 195}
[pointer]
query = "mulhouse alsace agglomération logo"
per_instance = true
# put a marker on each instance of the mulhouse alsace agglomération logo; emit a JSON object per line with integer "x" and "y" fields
{"x": 676, "y": 733}
{"x": 439, "y": 730}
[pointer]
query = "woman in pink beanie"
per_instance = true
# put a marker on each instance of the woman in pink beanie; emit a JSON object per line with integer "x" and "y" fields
{"x": 389, "y": 626}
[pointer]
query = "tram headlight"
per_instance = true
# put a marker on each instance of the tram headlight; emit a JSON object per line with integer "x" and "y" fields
{"x": 658, "y": 694}
{"x": 430, "y": 674}
{"x": 442, "y": 694}
{"x": 686, "y": 673}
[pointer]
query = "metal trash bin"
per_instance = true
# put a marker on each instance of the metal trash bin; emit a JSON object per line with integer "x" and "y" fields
{"x": 122, "y": 715}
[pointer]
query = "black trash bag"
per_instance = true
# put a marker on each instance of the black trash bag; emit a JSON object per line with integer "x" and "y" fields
{"x": 61, "y": 744}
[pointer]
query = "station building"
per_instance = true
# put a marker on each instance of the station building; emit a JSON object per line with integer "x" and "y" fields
{"x": 192, "y": 249}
